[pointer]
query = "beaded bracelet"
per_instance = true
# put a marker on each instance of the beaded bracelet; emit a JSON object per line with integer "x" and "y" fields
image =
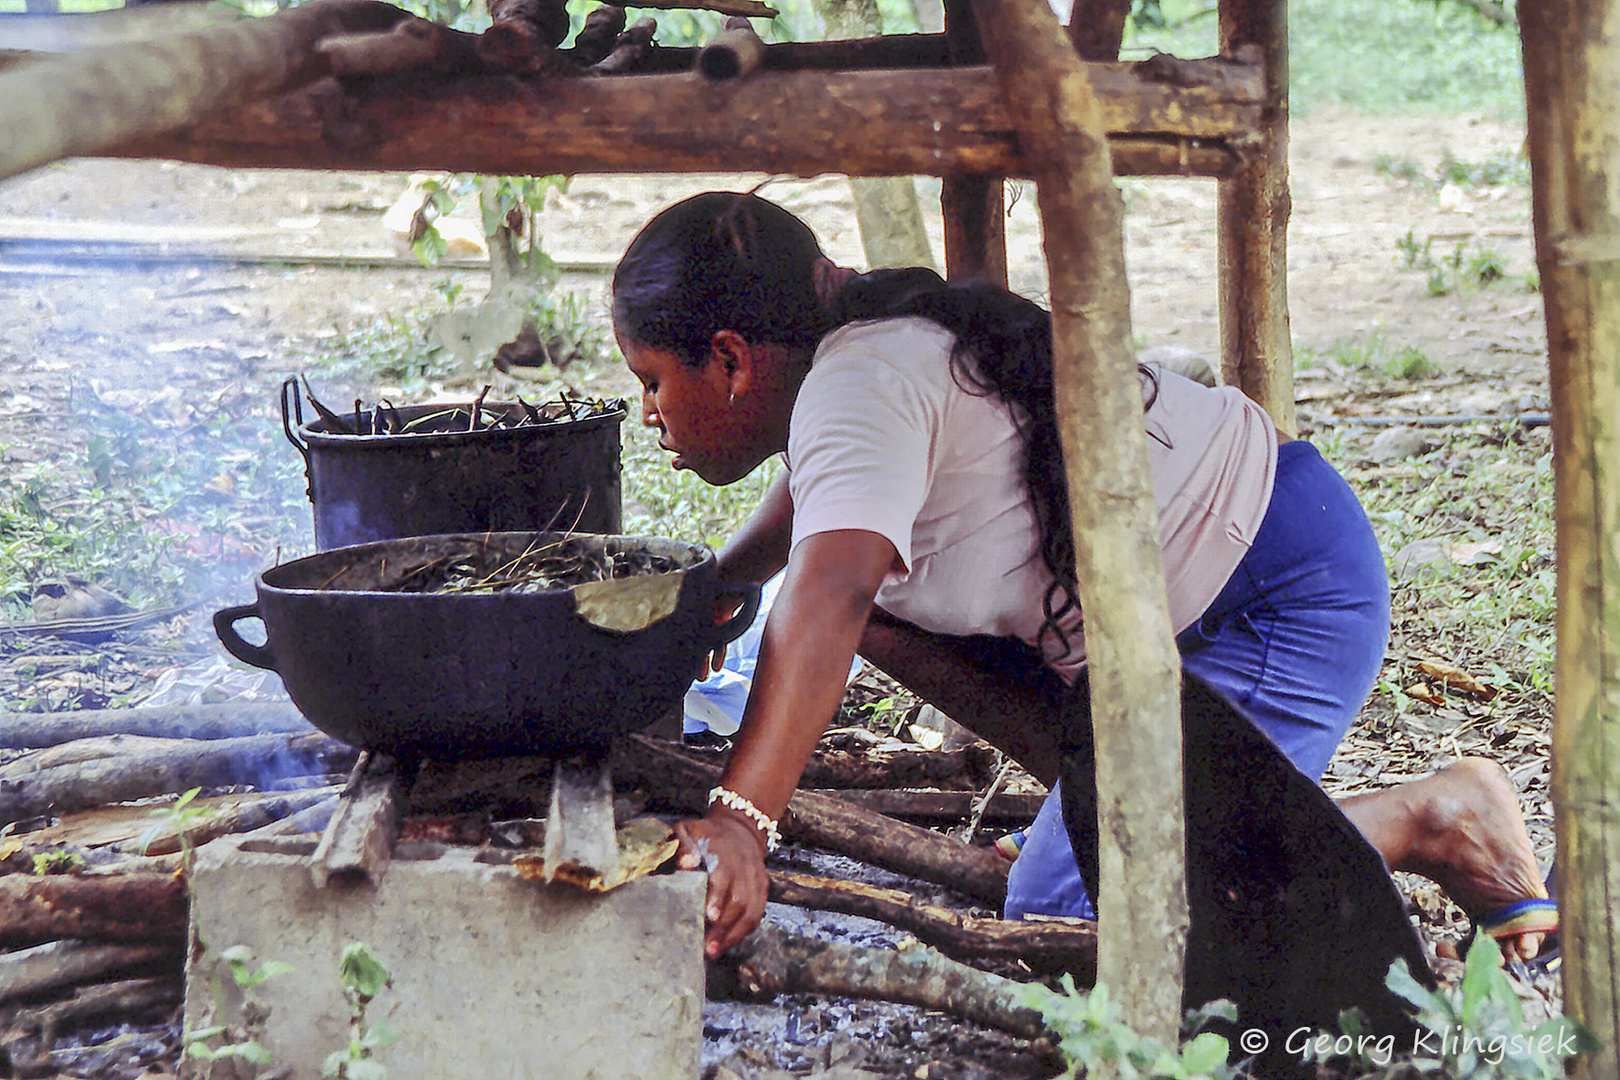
{"x": 731, "y": 800}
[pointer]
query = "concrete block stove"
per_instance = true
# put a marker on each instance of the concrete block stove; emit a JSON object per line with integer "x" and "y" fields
{"x": 493, "y": 977}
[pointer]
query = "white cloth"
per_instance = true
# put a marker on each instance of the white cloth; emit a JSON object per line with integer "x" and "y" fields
{"x": 883, "y": 439}
{"x": 716, "y": 703}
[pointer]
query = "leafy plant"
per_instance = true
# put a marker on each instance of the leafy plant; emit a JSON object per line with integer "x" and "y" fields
{"x": 1410, "y": 364}
{"x": 60, "y": 861}
{"x": 363, "y": 977}
{"x": 235, "y": 1049}
{"x": 1476, "y": 1030}
{"x": 1093, "y": 1037}
{"x": 667, "y": 502}
{"x": 178, "y": 815}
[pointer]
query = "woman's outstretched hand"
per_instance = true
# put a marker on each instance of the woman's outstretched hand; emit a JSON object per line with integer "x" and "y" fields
{"x": 733, "y": 852}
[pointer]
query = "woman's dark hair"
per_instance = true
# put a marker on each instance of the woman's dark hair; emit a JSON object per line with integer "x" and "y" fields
{"x": 720, "y": 261}
{"x": 723, "y": 261}
{"x": 1003, "y": 349}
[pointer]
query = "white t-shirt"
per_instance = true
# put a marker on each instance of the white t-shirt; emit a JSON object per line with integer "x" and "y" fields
{"x": 883, "y": 439}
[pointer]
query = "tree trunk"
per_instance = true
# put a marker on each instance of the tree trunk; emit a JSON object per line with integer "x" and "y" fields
{"x": 1256, "y": 352}
{"x": 886, "y": 207}
{"x": 1571, "y": 57}
{"x": 1134, "y": 669}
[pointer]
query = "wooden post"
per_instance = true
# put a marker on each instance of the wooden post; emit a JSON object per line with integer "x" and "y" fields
{"x": 974, "y": 208}
{"x": 1571, "y": 56}
{"x": 1135, "y": 672}
{"x": 1097, "y": 28}
{"x": 1256, "y": 353}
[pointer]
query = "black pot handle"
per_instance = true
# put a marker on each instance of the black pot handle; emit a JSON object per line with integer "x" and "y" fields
{"x": 292, "y": 418}
{"x": 225, "y": 622}
{"x": 746, "y": 593}
{"x": 292, "y": 414}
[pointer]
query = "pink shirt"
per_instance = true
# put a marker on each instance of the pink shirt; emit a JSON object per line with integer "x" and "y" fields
{"x": 883, "y": 439}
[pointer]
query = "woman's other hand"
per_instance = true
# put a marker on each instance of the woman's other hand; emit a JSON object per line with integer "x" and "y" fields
{"x": 732, "y": 849}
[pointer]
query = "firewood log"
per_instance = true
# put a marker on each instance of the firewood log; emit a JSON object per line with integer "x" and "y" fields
{"x": 1044, "y": 947}
{"x": 134, "y": 907}
{"x": 682, "y": 781}
{"x": 772, "y": 961}
{"x": 19, "y": 731}
{"x": 58, "y": 964}
{"x": 252, "y": 760}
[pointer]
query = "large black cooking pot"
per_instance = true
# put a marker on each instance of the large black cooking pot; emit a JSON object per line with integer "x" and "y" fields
{"x": 560, "y": 475}
{"x": 475, "y": 674}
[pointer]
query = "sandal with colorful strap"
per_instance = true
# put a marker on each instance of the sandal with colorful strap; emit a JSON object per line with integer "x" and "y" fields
{"x": 1537, "y": 915}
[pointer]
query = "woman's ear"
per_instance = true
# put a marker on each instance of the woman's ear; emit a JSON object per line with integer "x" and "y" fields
{"x": 735, "y": 357}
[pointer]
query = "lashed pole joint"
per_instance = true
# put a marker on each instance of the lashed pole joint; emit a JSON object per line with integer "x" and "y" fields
{"x": 1134, "y": 668}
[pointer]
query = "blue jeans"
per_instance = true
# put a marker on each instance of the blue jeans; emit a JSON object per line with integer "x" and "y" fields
{"x": 1295, "y": 639}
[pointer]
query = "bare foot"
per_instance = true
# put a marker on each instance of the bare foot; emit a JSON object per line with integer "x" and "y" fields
{"x": 1462, "y": 829}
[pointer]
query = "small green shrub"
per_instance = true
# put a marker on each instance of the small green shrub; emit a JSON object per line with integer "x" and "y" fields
{"x": 1093, "y": 1038}
{"x": 1410, "y": 364}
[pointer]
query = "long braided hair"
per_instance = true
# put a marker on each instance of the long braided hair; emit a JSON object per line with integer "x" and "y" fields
{"x": 738, "y": 262}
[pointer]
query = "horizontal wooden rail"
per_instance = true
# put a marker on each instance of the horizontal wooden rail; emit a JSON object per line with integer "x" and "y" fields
{"x": 922, "y": 121}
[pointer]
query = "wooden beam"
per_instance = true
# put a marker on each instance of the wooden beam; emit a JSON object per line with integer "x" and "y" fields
{"x": 973, "y": 207}
{"x": 1571, "y": 52}
{"x": 1097, "y": 27}
{"x": 935, "y": 122}
{"x": 81, "y": 104}
{"x": 1134, "y": 668}
{"x": 1252, "y": 228}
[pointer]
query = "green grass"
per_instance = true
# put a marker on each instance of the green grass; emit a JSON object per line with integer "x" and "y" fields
{"x": 1492, "y": 611}
{"x": 140, "y": 509}
{"x": 1375, "y": 56}
{"x": 1463, "y": 268}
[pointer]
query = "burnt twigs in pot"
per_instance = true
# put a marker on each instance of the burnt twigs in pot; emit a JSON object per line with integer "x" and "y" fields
{"x": 543, "y": 566}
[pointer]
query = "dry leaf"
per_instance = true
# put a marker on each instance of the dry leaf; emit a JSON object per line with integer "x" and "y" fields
{"x": 1424, "y": 693}
{"x": 645, "y": 844}
{"x": 1455, "y": 678}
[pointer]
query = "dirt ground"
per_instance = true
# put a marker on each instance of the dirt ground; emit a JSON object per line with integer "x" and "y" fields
{"x": 101, "y": 286}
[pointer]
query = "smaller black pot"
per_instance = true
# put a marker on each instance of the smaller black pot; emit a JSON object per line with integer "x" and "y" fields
{"x": 477, "y": 674}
